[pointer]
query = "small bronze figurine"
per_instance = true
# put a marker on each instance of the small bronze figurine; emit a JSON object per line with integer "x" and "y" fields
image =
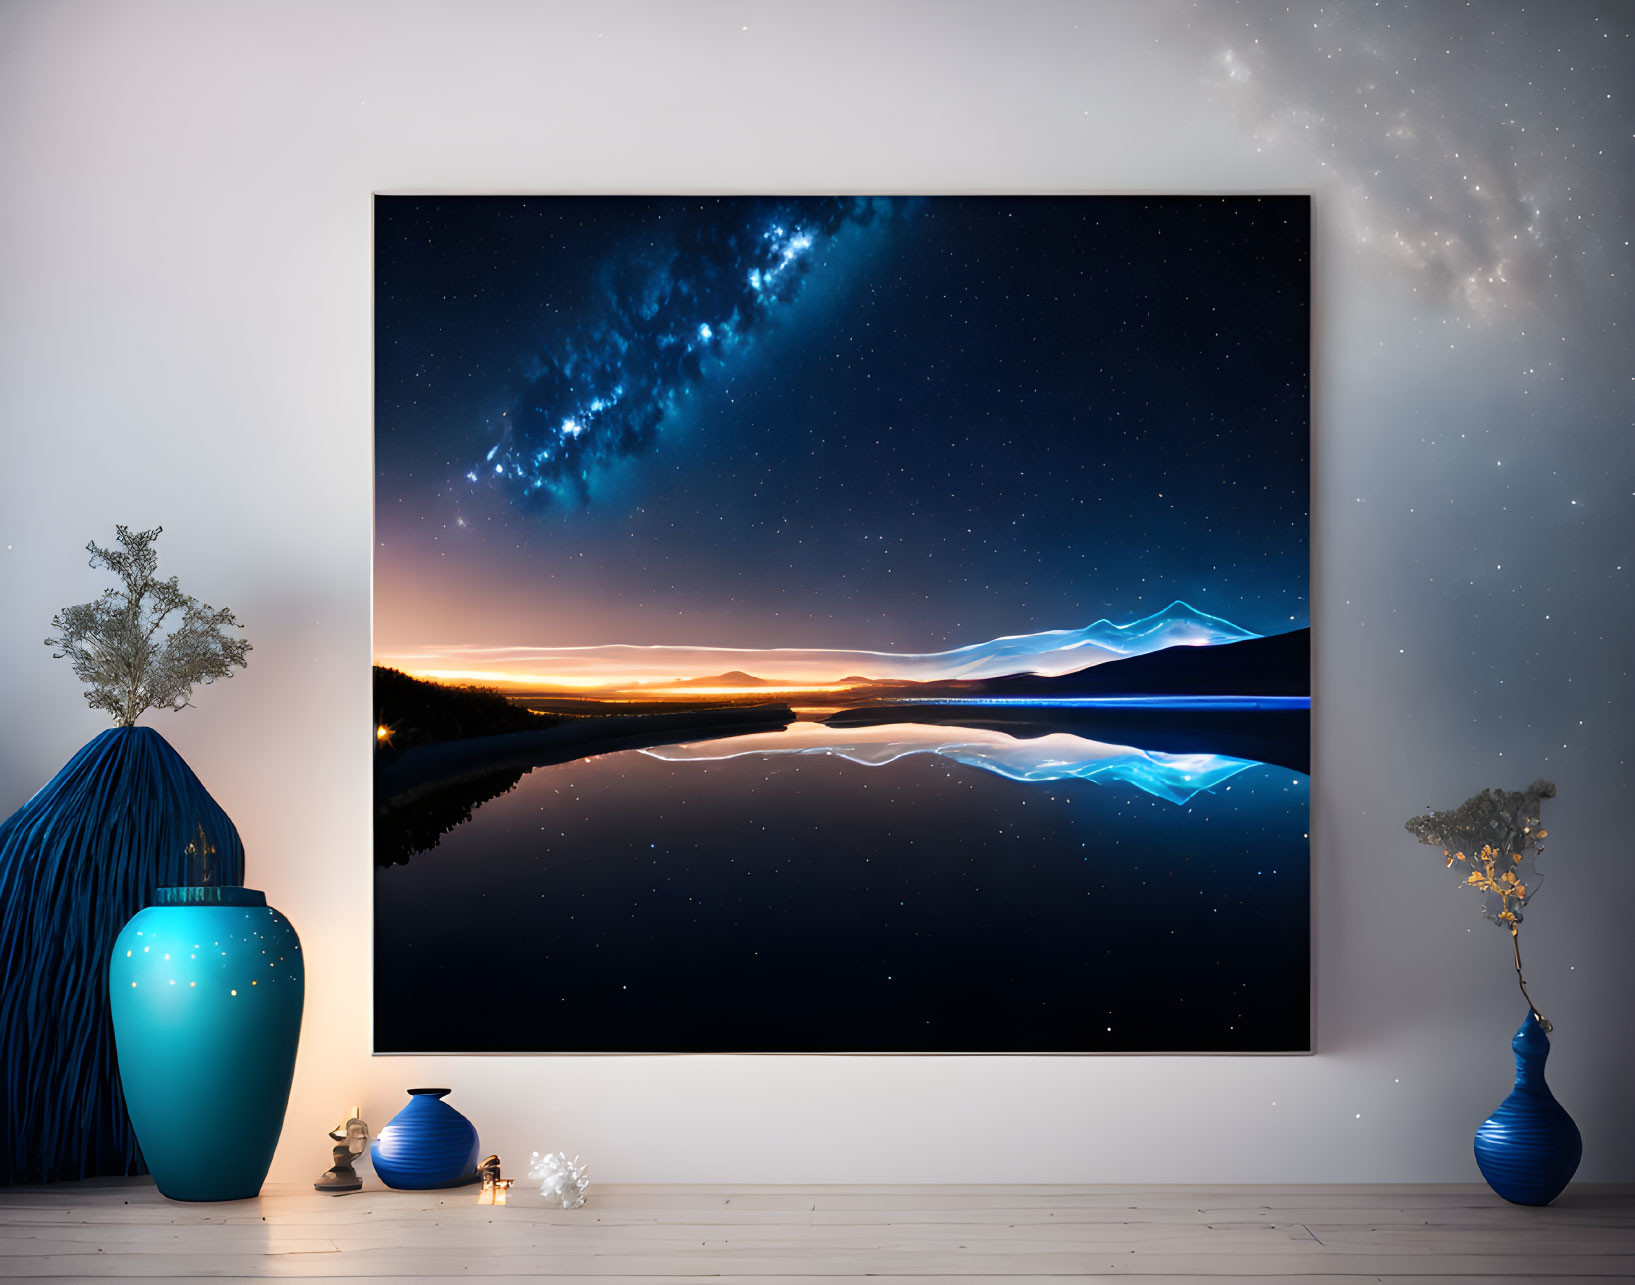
{"x": 494, "y": 1186}
{"x": 351, "y": 1140}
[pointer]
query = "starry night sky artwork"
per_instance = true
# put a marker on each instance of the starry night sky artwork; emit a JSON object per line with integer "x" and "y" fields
{"x": 826, "y": 625}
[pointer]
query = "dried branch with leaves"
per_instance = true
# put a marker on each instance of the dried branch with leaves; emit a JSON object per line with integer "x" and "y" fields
{"x": 1495, "y": 839}
{"x": 128, "y": 645}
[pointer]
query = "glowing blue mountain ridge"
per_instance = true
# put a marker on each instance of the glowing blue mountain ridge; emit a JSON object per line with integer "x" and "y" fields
{"x": 1063, "y": 651}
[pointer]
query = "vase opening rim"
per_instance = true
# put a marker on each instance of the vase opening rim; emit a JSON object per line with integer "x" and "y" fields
{"x": 435, "y": 1093}
{"x": 229, "y": 894}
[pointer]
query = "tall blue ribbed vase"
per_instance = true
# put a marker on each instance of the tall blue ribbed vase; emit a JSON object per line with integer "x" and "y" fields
{"x": 206, "y": 987}
{"x": 1529, "y": 1149}
{"x": 123, "y": 817}
{"x": 427, "y": 1144}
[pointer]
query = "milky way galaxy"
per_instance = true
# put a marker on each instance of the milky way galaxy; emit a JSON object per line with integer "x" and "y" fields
{"x": 676, "y": 307}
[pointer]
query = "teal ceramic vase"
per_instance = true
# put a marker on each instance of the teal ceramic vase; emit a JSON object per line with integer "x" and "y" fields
{"x": 427, "y": 1144}
{"x": 206, "y": 987}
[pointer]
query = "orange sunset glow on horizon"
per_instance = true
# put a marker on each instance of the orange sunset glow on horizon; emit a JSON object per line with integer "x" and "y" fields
{"x": 627, "y": 685}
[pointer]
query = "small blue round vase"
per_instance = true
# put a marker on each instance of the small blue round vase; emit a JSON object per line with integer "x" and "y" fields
{"x": 206, "y": 988}
{"x": 427, "y": 1144}
{"x": 1529, "y": 1149}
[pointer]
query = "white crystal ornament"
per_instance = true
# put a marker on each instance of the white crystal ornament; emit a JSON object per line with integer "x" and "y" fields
{"x": 561, "y": 1181}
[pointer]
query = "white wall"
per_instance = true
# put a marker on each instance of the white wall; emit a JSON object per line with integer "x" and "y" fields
{"x": 185, "y": 338}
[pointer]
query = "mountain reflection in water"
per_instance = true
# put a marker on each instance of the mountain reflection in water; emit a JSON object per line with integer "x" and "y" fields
{"x": 1054, "y": 757}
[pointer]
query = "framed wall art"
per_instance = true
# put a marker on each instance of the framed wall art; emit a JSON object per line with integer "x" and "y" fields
{"x": 842, "y": 624}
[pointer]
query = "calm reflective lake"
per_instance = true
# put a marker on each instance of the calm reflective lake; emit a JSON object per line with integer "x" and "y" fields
{"x": 898, "y": 888}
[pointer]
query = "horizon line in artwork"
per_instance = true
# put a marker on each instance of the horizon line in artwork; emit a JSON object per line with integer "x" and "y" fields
{"x": 704, "y": 670}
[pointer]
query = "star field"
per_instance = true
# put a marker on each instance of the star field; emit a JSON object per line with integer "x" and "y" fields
{"x": 972, "y": 417}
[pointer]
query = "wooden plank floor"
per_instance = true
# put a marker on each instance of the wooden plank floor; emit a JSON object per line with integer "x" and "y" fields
{"x": 1400, "y": 1234}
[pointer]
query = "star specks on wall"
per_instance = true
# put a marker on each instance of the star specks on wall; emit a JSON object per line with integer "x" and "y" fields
{"x": 1479, "y": 163}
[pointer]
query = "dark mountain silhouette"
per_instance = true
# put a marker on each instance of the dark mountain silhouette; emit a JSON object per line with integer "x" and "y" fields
{"x": 1279, "y": 665}
{"x": 732, "y": 678}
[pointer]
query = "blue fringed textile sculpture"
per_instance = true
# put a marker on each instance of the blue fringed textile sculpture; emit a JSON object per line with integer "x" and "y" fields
{"x": 124, "y": 817}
